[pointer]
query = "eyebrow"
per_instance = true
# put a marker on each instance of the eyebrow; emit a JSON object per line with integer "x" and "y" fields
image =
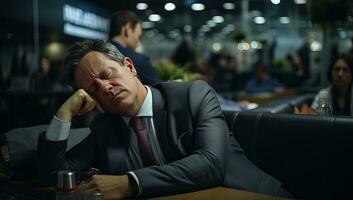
{"x": 100, "y": 74}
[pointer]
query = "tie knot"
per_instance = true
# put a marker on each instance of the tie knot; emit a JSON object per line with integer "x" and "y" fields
{"x": 136, "y": 123}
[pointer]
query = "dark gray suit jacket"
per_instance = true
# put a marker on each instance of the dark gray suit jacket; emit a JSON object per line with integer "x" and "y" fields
{"x": 194, "y": 139}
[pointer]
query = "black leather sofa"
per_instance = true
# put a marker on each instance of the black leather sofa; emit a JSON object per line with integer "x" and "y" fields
{"x": 310, "y": 155}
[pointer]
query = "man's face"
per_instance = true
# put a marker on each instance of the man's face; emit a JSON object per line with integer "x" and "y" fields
{"x": 341, "y": 74}
{"x": 115, "y": 87}
{"x": 134, "y": 36}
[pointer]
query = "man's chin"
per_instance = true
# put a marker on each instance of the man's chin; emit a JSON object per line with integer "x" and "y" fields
{"x": 122, "y": 109}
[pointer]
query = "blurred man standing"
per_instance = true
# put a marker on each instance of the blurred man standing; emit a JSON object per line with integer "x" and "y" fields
{"x": 125, "y": 34}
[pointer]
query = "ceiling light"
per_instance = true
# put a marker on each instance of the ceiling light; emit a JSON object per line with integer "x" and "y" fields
{"x": 147, "y": 25}
{"x": 154, "y": 17}
{"x": 218, "y": 19}
{"x": 197, "y": 6}
{"x": 230, "y": 27}
{"x": 169, "y": 6}
{"x": 300, "y": 1}
{"x": 243, "y": 46}
{"x": 141, "y": 6}
{"x": 229, "y": 6}
{"x": 259, "y": 20}
{"x": 343, "y": 34}
{"x": 284, "y": 20}
{"x": 150, "y": 34}
{"x": 217, "y": 46}
{"x": 174, "y": 34}
{"x": 254, "y": 44}
{"x": 205, "y": 28}
{"x": 187, "y": 28}
{"x": 211, "y": 23}
{"x": 276, "y": 1}
{"x": 316, "y": 46}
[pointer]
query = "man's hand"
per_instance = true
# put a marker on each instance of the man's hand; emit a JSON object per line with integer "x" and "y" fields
{"x": 304, "y": 110}
{"x": 78, "y": 104}
{"x": 112, "y": 187}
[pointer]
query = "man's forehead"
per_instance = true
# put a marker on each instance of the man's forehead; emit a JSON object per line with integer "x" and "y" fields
{"x": 88, "y": 68}
{"x": 82, "y": 77}
{"x": 92, "y": 58}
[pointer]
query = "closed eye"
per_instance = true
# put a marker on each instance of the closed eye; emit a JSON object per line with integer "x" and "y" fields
{"x": 105, "y": 75}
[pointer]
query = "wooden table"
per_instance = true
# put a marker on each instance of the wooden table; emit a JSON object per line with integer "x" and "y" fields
{"x": 220, "y": 193}
{"x": 262, "y": 98}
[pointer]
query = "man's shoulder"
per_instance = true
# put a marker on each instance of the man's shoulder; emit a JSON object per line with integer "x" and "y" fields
{"x": 189, "y": 85}
{"x": 184, "y": 91}
{"x": 135, "y": 56}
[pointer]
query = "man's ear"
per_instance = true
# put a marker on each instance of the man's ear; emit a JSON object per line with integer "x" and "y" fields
{"x": 127, "y": 29}
{"x": 128, "y": 63}
{"x": 124, "y": 31}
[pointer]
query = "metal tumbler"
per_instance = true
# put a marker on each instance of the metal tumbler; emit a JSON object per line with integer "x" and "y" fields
{"x": 66, "y": 181}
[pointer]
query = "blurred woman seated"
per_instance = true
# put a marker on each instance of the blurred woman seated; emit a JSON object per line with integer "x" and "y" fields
{"x": 339, "y": 93}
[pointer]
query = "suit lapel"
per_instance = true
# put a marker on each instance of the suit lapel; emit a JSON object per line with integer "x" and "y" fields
{"x": 160, "y": 123}
{"x": 101, "y": 143}
{"x": 118, "y": 145}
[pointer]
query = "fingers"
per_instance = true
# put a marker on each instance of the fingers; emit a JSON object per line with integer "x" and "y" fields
{"x": 296, "y": 110}
{"x": 92, "y": 185}
{"x": 87, "y": 105}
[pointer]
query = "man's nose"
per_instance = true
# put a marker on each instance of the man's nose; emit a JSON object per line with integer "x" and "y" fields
{"x": 104, "y": 85}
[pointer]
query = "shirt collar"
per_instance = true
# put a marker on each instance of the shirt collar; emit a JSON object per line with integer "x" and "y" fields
{"x": 146, "y": 109}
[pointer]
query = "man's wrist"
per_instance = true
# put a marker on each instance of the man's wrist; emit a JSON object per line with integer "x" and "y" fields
{"x": 58, "y": 130}
{"x": 64, "y": 115}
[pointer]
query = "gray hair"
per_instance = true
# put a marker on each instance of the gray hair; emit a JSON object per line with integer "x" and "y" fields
{"x": 80, "y": 49}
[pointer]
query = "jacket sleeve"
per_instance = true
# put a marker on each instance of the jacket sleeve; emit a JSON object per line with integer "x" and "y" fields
{"x": 204, "y": 166}
{"x": 52, "y": 157}
{"x": 147, "y": 74}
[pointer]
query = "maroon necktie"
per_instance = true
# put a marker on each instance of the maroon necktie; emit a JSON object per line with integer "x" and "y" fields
{"x": 144, "y": 147}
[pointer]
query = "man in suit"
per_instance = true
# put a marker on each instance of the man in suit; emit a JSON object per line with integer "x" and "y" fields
{"x": 149, "y": 141}
{"x": 125, "y": 33}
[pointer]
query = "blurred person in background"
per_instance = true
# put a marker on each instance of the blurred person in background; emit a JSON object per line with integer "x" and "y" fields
{"x": 223, "y": 65}
{"x": 339, "y": 93}
{"x": 20, "y": 69}
{"x": 184, "y": 55}
{"x": 303, "y": 61}
{"x": 40, "y": 79}
{"x": 126, "y": 33}
{"x": 56, "y": 75}
{"x": 262, "y": 81}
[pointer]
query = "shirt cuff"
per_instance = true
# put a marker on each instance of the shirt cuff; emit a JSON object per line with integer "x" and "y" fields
{"x": 58, "y": 130}
{"x": 137, "y": 183}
